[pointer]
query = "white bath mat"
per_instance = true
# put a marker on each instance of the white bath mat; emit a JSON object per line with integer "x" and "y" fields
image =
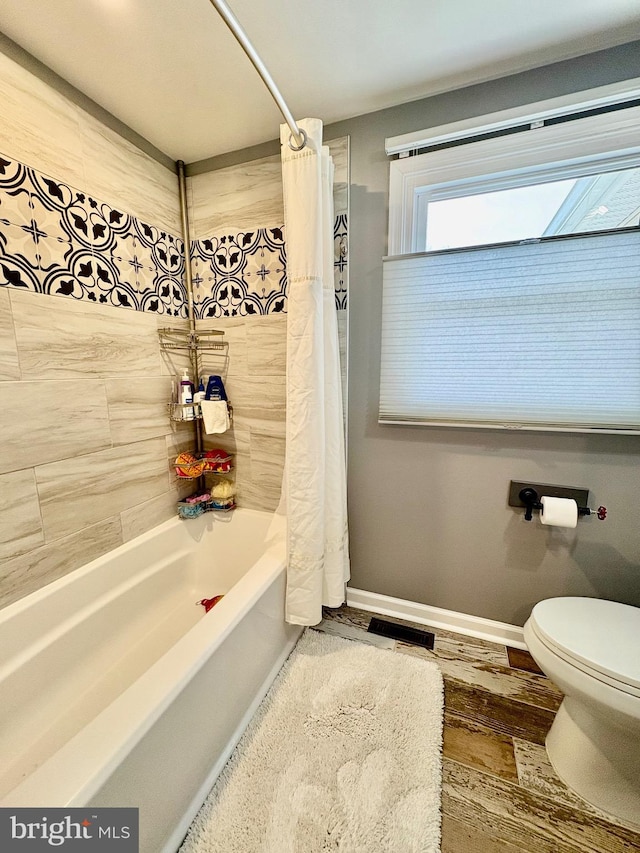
{"x": 344, "y": 755}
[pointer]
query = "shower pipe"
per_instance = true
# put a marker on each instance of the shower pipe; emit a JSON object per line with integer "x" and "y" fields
{"x": 191, "y": 314}
{"x": 232, "y": 22}
{"x": 297, "y": 134}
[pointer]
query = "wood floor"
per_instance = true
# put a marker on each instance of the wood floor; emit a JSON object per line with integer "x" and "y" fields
{"x": 500, "y": 794}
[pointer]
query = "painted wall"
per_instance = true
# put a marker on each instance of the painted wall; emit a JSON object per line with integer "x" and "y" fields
{"x": 429, "y": 520}
{"x": 240, "y": 287}
{"x": 90, "y": 266}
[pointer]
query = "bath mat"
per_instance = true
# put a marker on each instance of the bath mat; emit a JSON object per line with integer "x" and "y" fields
{"x": 344, "y": 755}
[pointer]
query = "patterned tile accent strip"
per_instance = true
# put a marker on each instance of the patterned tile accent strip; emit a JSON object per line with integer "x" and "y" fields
{"x": 245, "y": 274}
{"x": 57, "y": 240}
{"x": 341, "y": 259}
{"x": 238, "y": 275}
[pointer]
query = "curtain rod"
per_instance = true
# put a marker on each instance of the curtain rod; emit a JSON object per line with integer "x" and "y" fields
{"x": 232, "y": 22}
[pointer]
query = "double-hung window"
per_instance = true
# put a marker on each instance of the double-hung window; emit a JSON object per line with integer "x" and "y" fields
{"x": 511, "y": 294}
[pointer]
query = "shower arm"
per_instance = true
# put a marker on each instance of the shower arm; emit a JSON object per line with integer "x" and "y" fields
{"x": 232, "y": 22}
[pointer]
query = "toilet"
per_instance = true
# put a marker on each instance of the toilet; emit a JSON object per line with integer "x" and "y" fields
{"x": 590, "y": 648}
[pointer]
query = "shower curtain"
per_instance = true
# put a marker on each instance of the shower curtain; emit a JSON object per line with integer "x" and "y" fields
{"x": 314, "y": 484}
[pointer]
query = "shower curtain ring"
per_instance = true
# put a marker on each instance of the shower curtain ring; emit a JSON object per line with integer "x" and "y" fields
{"x": 302, "y": 144}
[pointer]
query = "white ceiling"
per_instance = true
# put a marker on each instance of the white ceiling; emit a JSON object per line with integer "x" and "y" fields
{"x": 171, "y": 71}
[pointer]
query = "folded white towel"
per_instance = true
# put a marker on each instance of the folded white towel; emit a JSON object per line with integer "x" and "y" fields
{"x": 215, "y": 415}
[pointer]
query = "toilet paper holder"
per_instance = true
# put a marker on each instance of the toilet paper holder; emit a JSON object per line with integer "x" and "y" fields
{"x": 527, "y": 496}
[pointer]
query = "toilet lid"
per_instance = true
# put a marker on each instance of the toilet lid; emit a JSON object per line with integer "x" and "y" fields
{"x": 601, "y": 635}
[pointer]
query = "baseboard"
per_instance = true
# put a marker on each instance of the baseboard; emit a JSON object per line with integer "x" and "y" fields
{"x": 436, "y": 617}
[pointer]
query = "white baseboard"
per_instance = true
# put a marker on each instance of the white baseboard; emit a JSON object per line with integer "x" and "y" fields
{"x": 436, "y": 617}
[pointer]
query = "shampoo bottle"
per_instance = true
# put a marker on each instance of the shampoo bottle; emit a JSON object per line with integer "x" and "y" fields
{"x": 186, "y": 396}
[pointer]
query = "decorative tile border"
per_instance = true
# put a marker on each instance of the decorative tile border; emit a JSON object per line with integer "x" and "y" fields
{"x": 57, "y": 240}
{"x": 237, "y": 275}
{"x": 243, "y": 274}
{"x": 341, "y": 260}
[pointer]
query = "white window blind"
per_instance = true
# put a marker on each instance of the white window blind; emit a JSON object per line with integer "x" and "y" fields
{"x": 538, "y": 335}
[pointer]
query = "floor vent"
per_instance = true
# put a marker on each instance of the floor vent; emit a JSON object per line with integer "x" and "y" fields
{"x": 401, "y": 632}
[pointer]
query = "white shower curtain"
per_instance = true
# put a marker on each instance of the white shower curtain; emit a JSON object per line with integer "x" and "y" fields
{"x": 314, "y": 485}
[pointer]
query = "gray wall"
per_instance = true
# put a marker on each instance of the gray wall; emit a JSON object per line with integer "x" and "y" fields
{"x": 428, "y": 511}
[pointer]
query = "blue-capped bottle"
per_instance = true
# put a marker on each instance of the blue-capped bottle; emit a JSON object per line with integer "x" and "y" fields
{"x": 215, "y": 389}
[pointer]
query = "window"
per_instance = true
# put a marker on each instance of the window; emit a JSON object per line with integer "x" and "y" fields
{"x": 512, "y": 294}
{"x": 599, "y": 202}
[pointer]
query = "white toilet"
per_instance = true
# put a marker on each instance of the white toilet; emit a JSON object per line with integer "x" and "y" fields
{"x": 591, "y": 649}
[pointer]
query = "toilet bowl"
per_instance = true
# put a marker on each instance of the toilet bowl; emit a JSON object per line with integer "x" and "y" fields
{"x": 590, "y": 648}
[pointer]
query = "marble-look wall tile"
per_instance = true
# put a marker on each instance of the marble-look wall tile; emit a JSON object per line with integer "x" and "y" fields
{"x": 20, "y": 576}
{"x": 46, "y": 421}
{"x": 138, "y": 408}
{"x": 85, "y": 340}
{"x": 267, "y": 345}
{"x": 79, "y": 492}
{"x": 238, "y": 198}
{"x": 259, "y": 403}
{"x": 120, "y": 173}
{"x": 267, "y": 466}
{"x": 249, "y": 195}
{"x": 180, "y": 440}
{"x": 20, "y": 522}
{"x": 144, "y": 516}
{"x": 339, "y": 149}
{"x": 254, "y": 496}
{"x": 230, "y": 363}
{"x": 174, "y": 365}
{"x": 44, "y": 129}
{"x": 102, "y": 208}
{"x": 39, "y": 126}
{"x": 9, "y": 364}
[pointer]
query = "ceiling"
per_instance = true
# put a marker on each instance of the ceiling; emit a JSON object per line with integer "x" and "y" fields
{"x": 171, "y": 71}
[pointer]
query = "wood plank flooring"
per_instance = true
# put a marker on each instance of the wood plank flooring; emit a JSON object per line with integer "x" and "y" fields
{"x": 499, "y": 793}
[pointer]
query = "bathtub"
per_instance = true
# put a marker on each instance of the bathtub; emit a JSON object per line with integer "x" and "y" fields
{"x": 117, "y": 689}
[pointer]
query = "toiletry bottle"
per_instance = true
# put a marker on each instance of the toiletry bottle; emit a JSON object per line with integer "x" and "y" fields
{"x": 186, "y": 396}
{"x": 198, "y": 397}
{"x": 215, "y": 389}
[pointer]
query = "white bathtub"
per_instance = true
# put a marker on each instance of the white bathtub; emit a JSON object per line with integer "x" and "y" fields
{"x": 116, "y": 689}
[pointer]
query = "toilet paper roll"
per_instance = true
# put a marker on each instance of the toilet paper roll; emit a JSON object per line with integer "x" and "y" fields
{"x": 558, "y": 512}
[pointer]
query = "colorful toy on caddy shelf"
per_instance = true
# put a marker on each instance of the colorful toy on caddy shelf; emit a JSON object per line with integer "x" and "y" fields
{"x": 217, "y": 461}
{"x": 189, "y": 466}
{"x": 196, "y": 505}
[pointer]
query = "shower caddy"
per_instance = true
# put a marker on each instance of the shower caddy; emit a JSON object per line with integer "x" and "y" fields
{"x": 202, "y": 462}
{"x": 192, "y": 340}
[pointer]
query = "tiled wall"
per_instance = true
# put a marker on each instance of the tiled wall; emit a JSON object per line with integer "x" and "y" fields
{"x": 58, "y": 240}
{"x": 240, "y": 287}
{"x": 90, "y": 266}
